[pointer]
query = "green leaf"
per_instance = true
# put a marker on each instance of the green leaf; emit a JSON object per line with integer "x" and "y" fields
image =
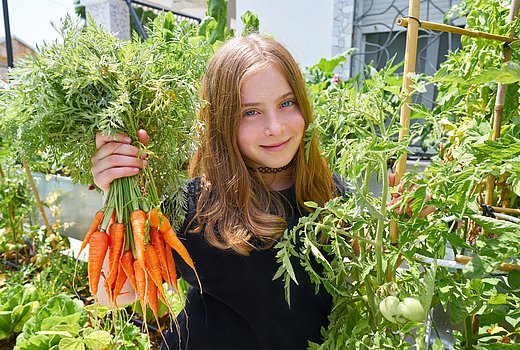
{"x": 328, "y": 66}
{"x": 498, "y": 299}
{"x": 515, "y": 185}
{"x": 311, "y": 204}
{"x": 61, "y": 322}
{"x": 250, "y": 22}
{"x": 6, "y": 326}
{"x": 63, "y": 334}
{"x": 22, "y": 313}
{"x": 438, "y": 345}
{"x": 71, "y": 344}
{"x": 73, "y": 328}
{"x": 493, "y": 251}
{"x": 319, "y": 255}
{"x": 513, "y": 279}
{"x": 426, "y": 294}
{"x": 499, "y": 227}
{"x": 98, "y": 340}
{"x": 509, "y": 74}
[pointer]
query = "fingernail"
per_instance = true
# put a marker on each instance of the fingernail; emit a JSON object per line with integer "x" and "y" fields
{"x": 128, "y": 139}
{"x": 135, "y": 170}
{"x": 145, "y": 163}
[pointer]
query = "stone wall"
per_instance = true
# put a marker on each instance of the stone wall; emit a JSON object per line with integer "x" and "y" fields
{"x": 342, "y": 28}
{"x": 113, "y": 15}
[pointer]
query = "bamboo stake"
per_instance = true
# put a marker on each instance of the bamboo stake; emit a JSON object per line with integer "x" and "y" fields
{"x": 410, "y": 58}
{"x": 499, "y": 103}
{"x": 39, "y": 203}
{"x": 404, "y": 22}
{"x": 506, "y": 210}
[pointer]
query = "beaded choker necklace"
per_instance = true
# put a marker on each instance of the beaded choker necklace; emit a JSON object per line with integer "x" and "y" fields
{"x": 267, "y": 170}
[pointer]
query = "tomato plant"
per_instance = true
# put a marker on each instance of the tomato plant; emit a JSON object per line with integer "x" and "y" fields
{"x": 373, "y": 285}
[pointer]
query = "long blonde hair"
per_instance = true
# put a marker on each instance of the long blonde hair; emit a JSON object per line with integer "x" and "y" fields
{"x": 235, "y": 208}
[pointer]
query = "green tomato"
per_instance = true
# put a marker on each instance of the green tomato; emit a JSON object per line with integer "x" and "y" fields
{"x": 389, "y": 308}
{"x": 411, "y": 309}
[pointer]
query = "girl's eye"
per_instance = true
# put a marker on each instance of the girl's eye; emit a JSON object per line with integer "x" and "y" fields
{"x": 287, "y": 103}
{"x": 250, "y": 113}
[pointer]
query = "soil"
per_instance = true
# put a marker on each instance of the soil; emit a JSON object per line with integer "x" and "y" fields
{"x": 7, "y": 344}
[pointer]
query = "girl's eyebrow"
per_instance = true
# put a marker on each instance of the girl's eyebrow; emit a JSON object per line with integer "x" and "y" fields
{"x": 290, "y": 93}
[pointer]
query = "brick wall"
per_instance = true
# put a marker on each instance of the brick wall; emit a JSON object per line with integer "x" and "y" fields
{"x": 20, "y": 50}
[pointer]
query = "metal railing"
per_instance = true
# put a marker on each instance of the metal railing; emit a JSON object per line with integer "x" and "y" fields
{"x": 179, "y": 17}
{"x": 157, "y": 9}
{"x": 378, "y": 37}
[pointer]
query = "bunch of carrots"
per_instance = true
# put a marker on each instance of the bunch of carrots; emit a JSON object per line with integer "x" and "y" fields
{"x": 139, "y": 245}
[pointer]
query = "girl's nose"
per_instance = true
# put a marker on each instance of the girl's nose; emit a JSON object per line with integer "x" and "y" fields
{"x": 274, "y": 125}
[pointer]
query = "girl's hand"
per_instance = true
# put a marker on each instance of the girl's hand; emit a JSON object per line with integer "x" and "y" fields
{"x": 396, "y": 198}
{"x": 116, "y": 158}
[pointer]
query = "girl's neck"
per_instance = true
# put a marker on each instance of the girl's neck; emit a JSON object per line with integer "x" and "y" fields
{"x": 280, "y": 180}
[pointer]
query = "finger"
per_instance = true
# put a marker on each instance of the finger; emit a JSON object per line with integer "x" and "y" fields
{"x": 103, "y": 139}
{"x": 395, "y": 195}
{"x": 117, "y": 161}
{"x": 105, "y": 178}
{"x": 115, "y": 148}
{"x": 391, "y": 179}
{"x": 356, "y": 248}
{"x": 394, "y": 201}
{"x": 426, "y": 211}
{"x": 408, "y": 208}
{"x": 143, "y": 137}
{"x": 400, "y": 187}
{"x": 393, "y": 204}
{"x": 413, "y": 187}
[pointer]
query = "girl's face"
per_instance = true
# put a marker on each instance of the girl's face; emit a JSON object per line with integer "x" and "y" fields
{"x": 272, "y": 126}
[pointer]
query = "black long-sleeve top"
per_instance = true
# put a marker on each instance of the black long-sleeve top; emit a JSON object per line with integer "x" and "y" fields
{"x": 241, "y": 307}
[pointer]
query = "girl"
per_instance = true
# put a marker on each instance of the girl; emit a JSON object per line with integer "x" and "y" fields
{"x": 251, "y": 175}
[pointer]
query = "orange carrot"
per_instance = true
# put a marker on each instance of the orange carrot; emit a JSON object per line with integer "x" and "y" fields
{"x": 170, "y": 237}
{"x": 138, "y": 221}
{"x": 96, "y": 255}
{"x": 110, "y": 232}
{"x": 151, "y": 297}
{"x": 127, "y": 264}
{"x": 93, "y": 228}
{"x": 172, "y": 272}
{"x": 158, "y": 244}
{"x": 140, "y": 281}
{"x": 153, "y": 216}
{"x": 119, "y": 283}
{"x": 152, "y": 264}
{"x": 116, "y": 242}
{"x": 154, "y": 271}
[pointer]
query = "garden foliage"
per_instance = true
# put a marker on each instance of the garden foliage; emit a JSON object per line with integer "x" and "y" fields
{"x": 371, "y": 279}
{"x": 57, "y": 100}
{"x": 383, "y": 293}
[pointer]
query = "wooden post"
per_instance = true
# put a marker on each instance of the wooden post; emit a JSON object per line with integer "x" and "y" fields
{"x": 39, "y": 203}
{"x": 410, "y": 57}
{"x": 499, "y": 102}
{"x": 403, "y": 22}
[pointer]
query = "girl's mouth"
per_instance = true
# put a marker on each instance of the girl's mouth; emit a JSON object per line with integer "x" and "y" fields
{"x": 276, "y": 147}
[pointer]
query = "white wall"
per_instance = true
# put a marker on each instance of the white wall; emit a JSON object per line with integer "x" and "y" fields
{"x": 303, "y": 26}
{"x": 30, "y": 20}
